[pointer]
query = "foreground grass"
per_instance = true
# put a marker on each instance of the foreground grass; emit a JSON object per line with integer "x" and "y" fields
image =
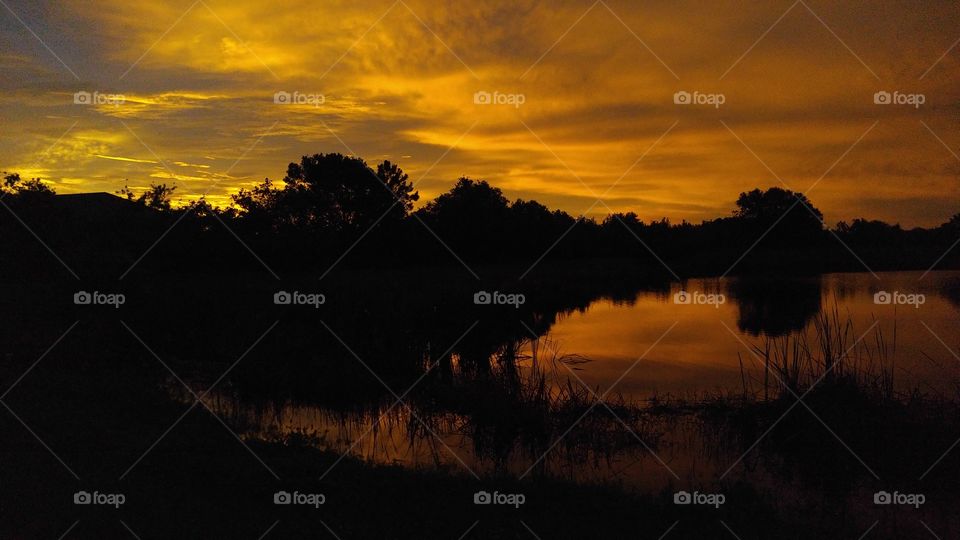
{"x": 199, "y": 481}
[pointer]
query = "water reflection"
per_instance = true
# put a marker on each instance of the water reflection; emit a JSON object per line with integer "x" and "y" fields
{"x": 775, "y": 307}
{"x": 703, "y": 353}
{"x": 950, "y": 290}
{"x": 515, "y": 396}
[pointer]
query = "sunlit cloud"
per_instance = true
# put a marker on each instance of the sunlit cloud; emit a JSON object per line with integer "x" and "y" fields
{"x": 118, "y": 158}
{"x": 400, "y": 81}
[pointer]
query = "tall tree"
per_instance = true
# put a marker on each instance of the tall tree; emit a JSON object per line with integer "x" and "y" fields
{"x": 341, "y": 192}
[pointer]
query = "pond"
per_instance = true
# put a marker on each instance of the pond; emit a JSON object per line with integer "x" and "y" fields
{"x": 701, "y": 340}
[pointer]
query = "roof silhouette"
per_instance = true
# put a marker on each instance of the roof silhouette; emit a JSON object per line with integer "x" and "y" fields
{"x": 98, "y": 206}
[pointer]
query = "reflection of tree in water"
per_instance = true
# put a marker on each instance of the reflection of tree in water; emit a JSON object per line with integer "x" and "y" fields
{"x": 773, "y": 308}
{"x": 951, "y": 291}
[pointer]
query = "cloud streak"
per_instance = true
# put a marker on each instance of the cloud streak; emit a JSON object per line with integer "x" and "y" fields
{"x": 199, "y": 81}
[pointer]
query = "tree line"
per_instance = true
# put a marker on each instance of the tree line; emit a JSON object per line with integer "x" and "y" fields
{"x": 327, "y": 202}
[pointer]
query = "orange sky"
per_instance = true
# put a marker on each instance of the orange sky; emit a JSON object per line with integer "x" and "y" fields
{"x": 596, "y": 82}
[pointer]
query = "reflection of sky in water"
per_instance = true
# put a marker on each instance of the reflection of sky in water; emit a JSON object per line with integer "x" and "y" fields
{"x": 700, "y": 354}
{"x": 389, "y": 441}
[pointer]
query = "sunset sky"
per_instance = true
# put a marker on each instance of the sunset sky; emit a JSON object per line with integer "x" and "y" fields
{"x": 597, "y": 80}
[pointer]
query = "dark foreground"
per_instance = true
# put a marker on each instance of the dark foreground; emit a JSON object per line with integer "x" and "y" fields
{"x": 94, "y": 412}
{"x": 200, "y": 481}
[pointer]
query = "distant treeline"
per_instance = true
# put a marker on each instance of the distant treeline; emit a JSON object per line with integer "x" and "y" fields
{"x": 330, "y": 204}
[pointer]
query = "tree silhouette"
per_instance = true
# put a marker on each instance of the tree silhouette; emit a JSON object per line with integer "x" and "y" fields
{"x": 786, "y": 215}
{"x": 395, "y": 180}
{"x": 157, "y": 196}
{"x": 472, "y": 216}
{"x": 338, "y": 192}
{"x": 326, "y": 201}
{"x": 773, "y": 203}
{"x": 259, "y": 206}
{"x": 33, "y": 188}
{"x": 328, "y": 192}
{"x": 469, "y": 201}
{"x": 953, "y": 225}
